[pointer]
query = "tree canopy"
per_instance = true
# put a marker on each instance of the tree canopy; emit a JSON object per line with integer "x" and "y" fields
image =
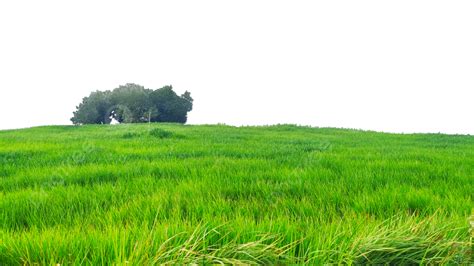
{"x": 132, "y": 103}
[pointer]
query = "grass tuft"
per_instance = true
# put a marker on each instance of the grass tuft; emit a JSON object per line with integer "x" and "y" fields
{"x": 160, "y": 133}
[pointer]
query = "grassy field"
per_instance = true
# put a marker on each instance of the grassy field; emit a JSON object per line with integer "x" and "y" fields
{"x": 144, "y": 194}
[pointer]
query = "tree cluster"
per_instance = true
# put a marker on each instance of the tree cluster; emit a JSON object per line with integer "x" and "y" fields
{"x": 132, "y": 103}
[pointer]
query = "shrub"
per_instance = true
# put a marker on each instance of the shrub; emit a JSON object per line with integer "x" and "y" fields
{"x": 130, "y": 135}
{"x": 160, "y": 133}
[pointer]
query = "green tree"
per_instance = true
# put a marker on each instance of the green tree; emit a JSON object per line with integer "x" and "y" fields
{"x": 93, "y": 109}
{"x": 132, "y": 103}
{"x": 170, "y": 106}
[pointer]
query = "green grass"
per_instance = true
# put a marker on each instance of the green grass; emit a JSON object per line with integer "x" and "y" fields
{"x": 145, "y": 194}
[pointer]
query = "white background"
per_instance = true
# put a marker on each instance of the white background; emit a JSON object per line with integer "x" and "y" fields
{"x": 396, "y": 66}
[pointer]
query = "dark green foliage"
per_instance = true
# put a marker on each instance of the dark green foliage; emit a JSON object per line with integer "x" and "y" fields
{"x": 94, "y": 109}
{"x": 170, "y": 106}
{"x": 160, "y": 133}
{"x": 132, "y": 103}
{"x": 130, "y": 135}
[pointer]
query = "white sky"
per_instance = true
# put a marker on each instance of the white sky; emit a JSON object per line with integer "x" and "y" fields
{"x": 396, "y": 66}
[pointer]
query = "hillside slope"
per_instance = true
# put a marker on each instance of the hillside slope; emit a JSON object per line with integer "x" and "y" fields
{"x": 210, "y": 194}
